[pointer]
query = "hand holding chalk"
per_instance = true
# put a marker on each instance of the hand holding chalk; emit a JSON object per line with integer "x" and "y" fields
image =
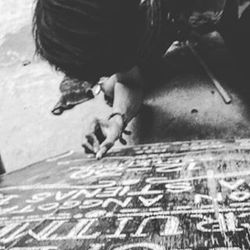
{"x": 102, "y": 136}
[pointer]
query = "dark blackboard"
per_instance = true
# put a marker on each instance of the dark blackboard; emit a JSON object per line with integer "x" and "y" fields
{"x": 183, "y": 195}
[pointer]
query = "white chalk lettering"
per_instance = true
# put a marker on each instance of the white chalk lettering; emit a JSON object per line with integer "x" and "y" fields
{"x": 139, "y": 169}
{"x": 60, "y": 156}
{"x": 96, "y": 246}
{"x": 48, "y": 206}
{"x": 82, "y": 173}
{"x": 221, "y": 224}
{"x": 86, "y": 193}
{"x": 75, "y": 230}
{"x": 240, "y": 204}
{"x": 130, "y": 210}
{"x": 62, "y": 196}
{"x": 145, "y": 191}
{"x": 95, "y": 214}
{"x": 108, "y": 172}
{"x": 27, "y": 209}
{"x": 183, "y": 207}
{"x": 124, "y": 191}
{"x": 91, "y": 203}
{"x": 150, "y": 201}
{"x": 198, "y": 198}
{"x": 47, "y": 231}
{"x": 144, "y": 245}
{"x": 36, "y": 248}
{"x": 70, "y": 204}
{"x": 102, "y": 184}
{"x": 178, "y": 187}
{"x": 17, "y": 234}
{"x": 8, "y": 210}
{"x": 246, "y": 225}
{"x": 83, "y": 233}
{"x": 130, "y": 182}
{"x": 244, "y": 215}
{"x": 70, "y": 161}
{"x": 231, "y": 185}
{"x": 110, "y": 192}
{"x": 239, "y": 196}
{"x": 5, "y": 199}
{"x": 120, "y": 203}
{"x": 192, "y": 166}
{"x": 118, "y": 233}
{"x": 231, "y": 222}
{"x": 170, "y": 168}
{"x": 7, "y": 229}
{"x": 171, "y": 226}
{"x": 226, "y": 248}
{"x": 206, "y": 225}
{"x": 36, "y": 198}
{"x": 157, "y": 180}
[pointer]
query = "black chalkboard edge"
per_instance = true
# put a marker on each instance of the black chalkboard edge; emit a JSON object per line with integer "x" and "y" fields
{"x": 35, "y": 163}
{"x": 118, "y": 148}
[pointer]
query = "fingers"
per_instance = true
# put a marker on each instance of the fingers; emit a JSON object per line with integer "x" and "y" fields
{"x": 105, "y": 146}
{"x": 91, "y": 144}
{"x": 99, "y": 132}
{"x": 109, "y": 100}
{"x": 92, "y": 140}
{"x": 102, "y": 137}
{"x": 87, "y": 147}
{"x": 122, "y": 140}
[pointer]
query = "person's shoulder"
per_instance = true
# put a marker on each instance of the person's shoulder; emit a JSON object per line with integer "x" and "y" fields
{"x": 131, "y": 76}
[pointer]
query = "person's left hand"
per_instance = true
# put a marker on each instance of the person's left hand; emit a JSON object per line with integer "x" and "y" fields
{"x": 102, "y": 136}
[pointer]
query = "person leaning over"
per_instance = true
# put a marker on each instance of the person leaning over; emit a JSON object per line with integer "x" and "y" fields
{"x": 122, "y": 39}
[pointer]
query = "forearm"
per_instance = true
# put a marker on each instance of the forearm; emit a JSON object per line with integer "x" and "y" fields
{"x": 128, "y": 96}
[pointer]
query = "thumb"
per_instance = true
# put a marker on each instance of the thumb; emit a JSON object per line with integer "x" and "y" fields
{"x": 104, "y": 147}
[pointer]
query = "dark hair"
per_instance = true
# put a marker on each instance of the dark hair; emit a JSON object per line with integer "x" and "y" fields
{"x": 86, "y": 39}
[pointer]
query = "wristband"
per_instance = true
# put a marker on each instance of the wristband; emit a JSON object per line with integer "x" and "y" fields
{"x": 122, "y": 116}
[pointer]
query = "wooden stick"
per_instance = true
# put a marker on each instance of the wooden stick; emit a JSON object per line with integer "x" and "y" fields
{"x": 223, "y": 93}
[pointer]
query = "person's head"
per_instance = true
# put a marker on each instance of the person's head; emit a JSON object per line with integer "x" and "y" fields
{"x": 86, "y": 39}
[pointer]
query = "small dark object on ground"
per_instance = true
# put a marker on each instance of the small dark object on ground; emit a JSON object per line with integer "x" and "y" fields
{"x": 2, "y": 169}
{"x": 194, "y": 111}
{"x": 26, "y": 63}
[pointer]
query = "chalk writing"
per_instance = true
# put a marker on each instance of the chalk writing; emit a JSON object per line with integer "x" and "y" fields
{"x": 61, "y": 156}
{"x": 145, "y": 245}
{"x": 165, "y": 196}
{"x": 36, "y": 248}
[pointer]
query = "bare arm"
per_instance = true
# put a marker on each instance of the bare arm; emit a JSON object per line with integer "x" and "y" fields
{"x": 128, "y": 96}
